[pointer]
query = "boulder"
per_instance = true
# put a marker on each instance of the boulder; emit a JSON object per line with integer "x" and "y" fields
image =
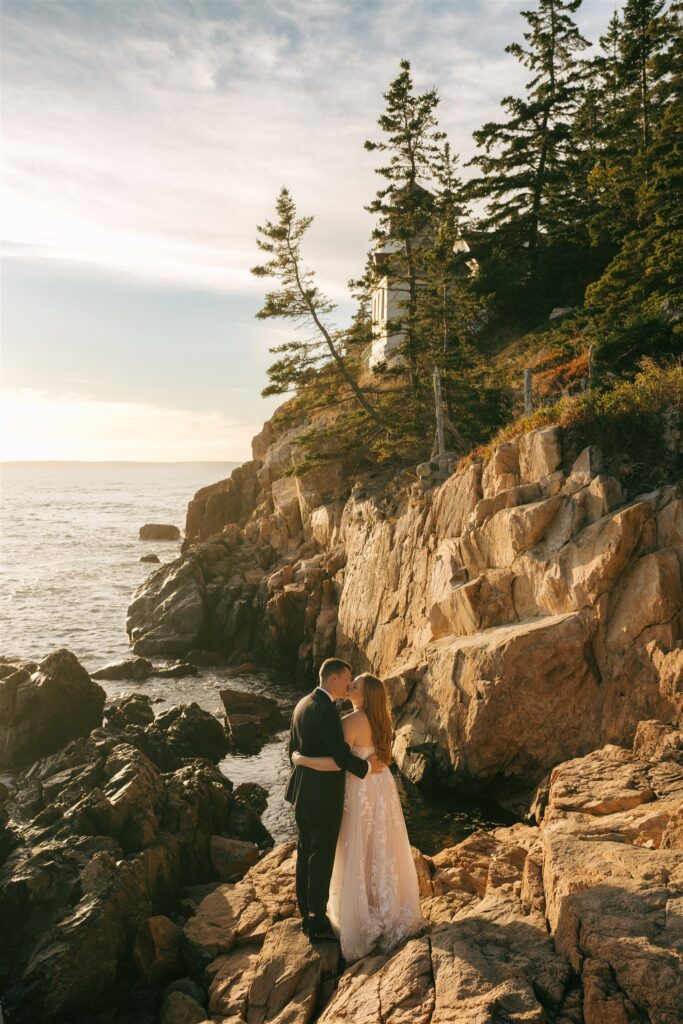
{"x": 151, "y": 557}
{"x": 179, "y": 670}
{"x": 135, "y": 669}
{"x": 40, "y": 712}
{"x": 156, "y": 953}
{"x": 166, "y": 613}
{"x": 251, "y": 718}
{"x": 159, "y": 531}
{"x": 232, "y": 858}
{"x": 130, "y": 709}
{"x": 182, "y": 732}
{"x": 179, "y": 1008}
{"x": 253, "y": 794}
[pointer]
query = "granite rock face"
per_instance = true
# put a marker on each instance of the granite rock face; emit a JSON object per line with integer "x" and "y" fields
{"x": 228, "y": 501}
{"x": 575, "y": 918}
{"x": 525, "y": 610}
{"x": 522, "y": 612}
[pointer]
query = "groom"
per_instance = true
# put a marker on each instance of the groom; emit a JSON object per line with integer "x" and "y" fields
{"x": 318, "y": 797}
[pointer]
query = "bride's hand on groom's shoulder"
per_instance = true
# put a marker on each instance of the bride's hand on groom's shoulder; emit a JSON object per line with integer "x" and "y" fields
{"x": 296, "y": 757}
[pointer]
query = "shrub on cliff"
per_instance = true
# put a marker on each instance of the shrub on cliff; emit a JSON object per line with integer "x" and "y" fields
{"x": 636, "y": 424}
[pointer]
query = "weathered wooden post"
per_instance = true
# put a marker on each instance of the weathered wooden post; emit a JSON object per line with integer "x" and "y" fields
{"x": 441, "y": 440}
{"x": 528, "y": 394}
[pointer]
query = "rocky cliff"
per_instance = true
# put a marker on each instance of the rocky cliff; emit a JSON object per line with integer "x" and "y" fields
{"x": 525, "y": 610}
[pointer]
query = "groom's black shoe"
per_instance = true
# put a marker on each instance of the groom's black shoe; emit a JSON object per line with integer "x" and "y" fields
{"x": 320, "y": 931}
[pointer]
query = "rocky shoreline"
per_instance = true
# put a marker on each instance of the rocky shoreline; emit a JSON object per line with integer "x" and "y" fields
{"x": 577, "y": 918}
{"x": 117, "y": 824}
{"x": 136, "y": 885}
{"x": 527, "y": 615}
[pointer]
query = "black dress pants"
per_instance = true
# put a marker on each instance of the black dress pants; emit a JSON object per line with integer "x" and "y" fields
{"x": 315, "y": 858}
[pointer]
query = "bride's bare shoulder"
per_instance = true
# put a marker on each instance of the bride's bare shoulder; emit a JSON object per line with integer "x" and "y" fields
{"x": 351, "y": 722}
{"x": 353, "y": 715}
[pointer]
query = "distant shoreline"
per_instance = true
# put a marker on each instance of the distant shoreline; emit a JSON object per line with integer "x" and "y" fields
{"x": 120, "y": 462}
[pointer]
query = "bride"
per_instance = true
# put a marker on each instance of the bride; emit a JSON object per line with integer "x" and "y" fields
{"x": 374, "y": 896}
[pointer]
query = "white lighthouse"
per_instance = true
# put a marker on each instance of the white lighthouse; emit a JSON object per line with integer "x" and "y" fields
{"x": 389, "y": 300}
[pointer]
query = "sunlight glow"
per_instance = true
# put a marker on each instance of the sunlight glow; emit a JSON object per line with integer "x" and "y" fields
{"x": 47, "y": 425}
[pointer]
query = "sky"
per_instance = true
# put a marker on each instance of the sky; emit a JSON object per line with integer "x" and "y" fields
{"x": 143, "y": 141}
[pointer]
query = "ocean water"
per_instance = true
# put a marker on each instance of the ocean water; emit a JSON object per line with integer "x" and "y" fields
{"x": 69, "y": 561}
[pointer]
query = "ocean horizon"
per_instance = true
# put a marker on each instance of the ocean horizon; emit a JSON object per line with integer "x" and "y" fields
{"x": 70, "y": 551}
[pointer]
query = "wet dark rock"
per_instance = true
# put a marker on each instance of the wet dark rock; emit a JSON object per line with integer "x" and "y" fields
{"x": 189, "y": 987}
{"x": 252, "y": 718}
{"x": 192, "y": 896}
{"x": 134, "y": 669}
{"x": 205, "y": 659}
{"x": 244, "y": 822}
{"x": 104, "y": 842}
{"x": 42, "y": 709}
{"x": 184, "y": 731}
{"x": 159, "y": 531}
{"x": 253, "y": 794}
{"x": 130, "y": 709}
{"x": 177, "y": 671}
{"x": 166, "y": 613}
{"x": 7, "y": 837}
{"x": 151, "y": 557}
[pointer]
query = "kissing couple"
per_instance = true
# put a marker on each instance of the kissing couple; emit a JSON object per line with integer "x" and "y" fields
{"x": 355, "y": 876}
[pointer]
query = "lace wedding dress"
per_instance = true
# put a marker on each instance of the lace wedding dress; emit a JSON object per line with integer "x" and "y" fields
{"x": 374, "y": 895}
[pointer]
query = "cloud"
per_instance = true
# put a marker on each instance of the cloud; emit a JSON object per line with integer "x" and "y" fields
{"x": 149, "y": 139}
{"x": 46, "y": 425}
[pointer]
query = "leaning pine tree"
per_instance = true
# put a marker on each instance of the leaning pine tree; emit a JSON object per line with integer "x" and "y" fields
{"x": 314, "y": 367}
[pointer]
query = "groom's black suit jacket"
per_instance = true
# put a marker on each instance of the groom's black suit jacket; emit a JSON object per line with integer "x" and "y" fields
{"x": 317, "y": 732}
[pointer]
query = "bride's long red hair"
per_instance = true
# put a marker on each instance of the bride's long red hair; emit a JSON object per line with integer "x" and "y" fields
{"x": 376, "y": 707}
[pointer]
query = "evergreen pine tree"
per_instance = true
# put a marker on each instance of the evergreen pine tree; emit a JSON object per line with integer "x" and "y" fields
{"x": 411, "y": 138}
{"x": 526, "y": 179}
{"x": 630, "y": 81}
{"x": 303, "y": 363}
{"x": 636, "y": 304}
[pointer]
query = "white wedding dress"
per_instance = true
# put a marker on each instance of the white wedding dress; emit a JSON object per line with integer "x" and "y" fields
{"x": 374, "y": 894}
